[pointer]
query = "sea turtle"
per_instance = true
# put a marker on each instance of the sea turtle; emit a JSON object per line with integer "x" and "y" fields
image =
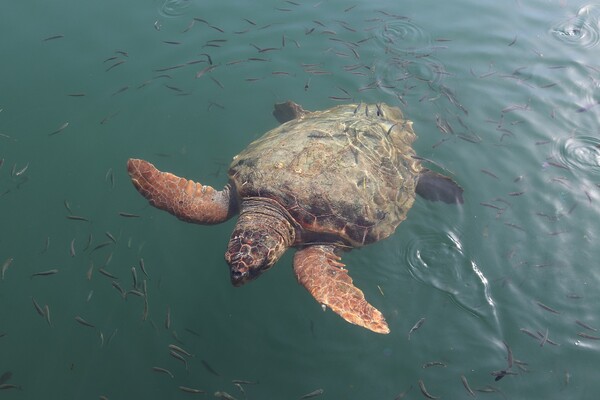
{"x": 323, "y": 182}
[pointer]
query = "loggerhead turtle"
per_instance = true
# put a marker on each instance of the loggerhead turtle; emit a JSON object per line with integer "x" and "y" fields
{"x": 323, "y": 182}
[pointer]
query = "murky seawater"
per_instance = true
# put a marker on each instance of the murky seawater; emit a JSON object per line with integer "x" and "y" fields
{"x": 503, "y": 95}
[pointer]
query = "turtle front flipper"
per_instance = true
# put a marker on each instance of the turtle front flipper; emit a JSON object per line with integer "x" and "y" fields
{"x": 437, "y": 187}
{"x": 318, "y": 269}
{"x": 186, "y": 199}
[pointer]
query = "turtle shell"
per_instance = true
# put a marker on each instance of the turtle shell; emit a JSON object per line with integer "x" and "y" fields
{"x": 346, "y": 174}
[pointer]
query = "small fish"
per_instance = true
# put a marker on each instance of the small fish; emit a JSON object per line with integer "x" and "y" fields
{"x": 424, "y": 390}
{"x": 529, "y": 333}
{"x": 586, "y": 336}
{"x": 485, "y": 171}
{"x": 5, "y": 266}
{"x": 544, "y": 338}
{"x": 22, "y": 170}
{"x": 119, "y": 289}
{"x": 134, "y": 292}
{"x": 47, "y": 314}
{"x": 180, "y": 350}
{"x": 466, "y": 385}
{"x": 68, "y": 206}
{"x": 488, "y": 389}
{"x": 145, "y": 312}
{"x": 121, "y": 90}
{"x": 243, "y": 382}
{"x": 545, "y": 307}
{"x": 108, "y": 259}
{"x": 168, "y": 319}
{"x": 416, "y": 326}
{"x": 586, "y": 326}
{"x": 205, "y": 70}
{"x": 84, "y": 322}
{"x": 6, "y": 386}
{"x": 179, "y": 357}
{"x": 106, "y": 273}
{"x": 111, "y": 237}
{"x": 53, "y": 37}
{"x": 190, "y": 390}
{"x": 128, "y": 215}
{"x": 143, "y": 267}
{"x": 209, "y": 368}
{"x": 163, "y": 370}
{"x": 216, "y": 28}
{"x": 101, "y": 245}
{"x": 45, "y": 273}
{"x": 134, "y": 277}
{"x": 110, "y": 176}
{"x": 434, "y": 364}
{"x": 114, "y": 65}
{"x": 112, "y": 336}
{"x": 89, "y": 242}
{"x": 60, "y": 129}
{"x": 174, "y": 88}
{"x": 314, "y": 393}
{"x": 72, "y": 248}
{"x": 224, "y": 395}
{"x": 509, "y": 355}
{"x": 90, "y": 271}
{"x": 241, "y": 388}
{"x": 37, "y": 307}
{"x": 501, "y": 374}
{"x": 77, "y": 218}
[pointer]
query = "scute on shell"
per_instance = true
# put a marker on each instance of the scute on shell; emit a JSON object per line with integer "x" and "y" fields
{"x": 346, "y": 174}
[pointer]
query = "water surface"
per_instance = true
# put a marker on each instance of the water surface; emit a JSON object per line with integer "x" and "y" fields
{"x": 503, "y": 95}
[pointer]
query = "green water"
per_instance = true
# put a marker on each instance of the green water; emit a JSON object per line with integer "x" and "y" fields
{"x": 502, "y": 94}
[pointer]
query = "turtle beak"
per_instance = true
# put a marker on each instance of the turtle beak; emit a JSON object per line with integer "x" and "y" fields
{"x": 246, "y": 260}
{"x": 238, "y": 269}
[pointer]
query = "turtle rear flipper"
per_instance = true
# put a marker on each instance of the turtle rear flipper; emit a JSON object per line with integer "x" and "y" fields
{"x": 186, "y": 199}
{"x": 318, "y": 269}
{"x": 288, "y": 111}
{"x": 435, "y": 187}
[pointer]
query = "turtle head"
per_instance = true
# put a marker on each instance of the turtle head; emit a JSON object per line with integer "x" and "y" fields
{"x": 261, "y": 236}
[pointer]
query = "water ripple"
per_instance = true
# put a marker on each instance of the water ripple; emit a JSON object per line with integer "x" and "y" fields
{"x": 173, "y": 8}
{"x": 395, "y": 34}
{"x": 410, "y": 53}
{"x": 580, "y": 152}
{"x": 440, "y": 261}
{"x": 581, "y": 30}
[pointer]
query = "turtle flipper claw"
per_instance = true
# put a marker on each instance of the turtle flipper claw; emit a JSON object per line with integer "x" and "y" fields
{"x": 186, "y": 199}
{"x": 318, "y": 269}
